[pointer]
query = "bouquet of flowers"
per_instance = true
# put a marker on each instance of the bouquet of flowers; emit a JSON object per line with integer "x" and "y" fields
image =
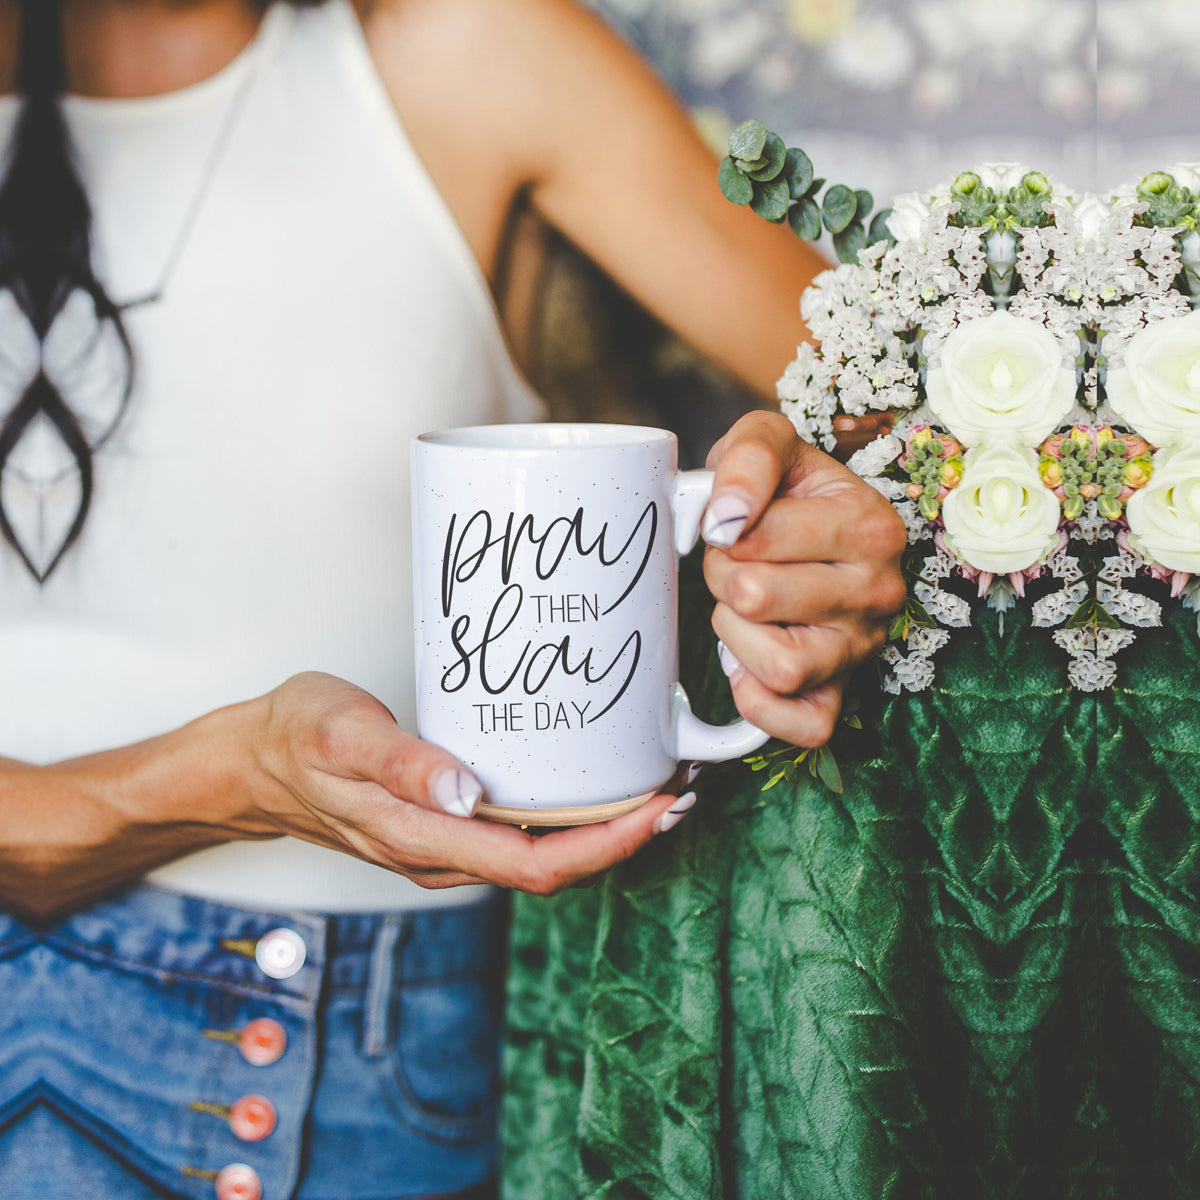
{"x": 1038, "y": 350}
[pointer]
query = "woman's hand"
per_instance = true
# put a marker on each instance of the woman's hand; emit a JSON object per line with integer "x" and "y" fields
{"x": 853, "y": 433}
{"x": 316, "y": 758}
{"x": 327, "y": 762}
{"x": 804, "y": 560}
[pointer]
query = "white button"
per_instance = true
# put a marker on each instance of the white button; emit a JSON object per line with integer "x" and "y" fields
{"x": 280, "y": 953}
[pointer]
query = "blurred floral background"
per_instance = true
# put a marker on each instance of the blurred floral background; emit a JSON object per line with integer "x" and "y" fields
{"x": 899, "y": 93}
{"x": 891, "y": 95}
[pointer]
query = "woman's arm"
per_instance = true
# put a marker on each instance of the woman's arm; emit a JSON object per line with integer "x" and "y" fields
{"x": 316, "y": 758}
{"x": 539, "y": 98}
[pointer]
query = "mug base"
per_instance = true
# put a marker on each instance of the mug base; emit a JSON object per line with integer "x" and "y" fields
{"x": 591, "y": 814}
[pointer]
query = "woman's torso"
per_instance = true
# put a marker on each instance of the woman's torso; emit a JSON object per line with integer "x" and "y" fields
{"x": 251, "y": 514}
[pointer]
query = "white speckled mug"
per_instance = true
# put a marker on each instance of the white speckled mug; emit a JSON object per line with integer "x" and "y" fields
{"x": 545, "y": 572}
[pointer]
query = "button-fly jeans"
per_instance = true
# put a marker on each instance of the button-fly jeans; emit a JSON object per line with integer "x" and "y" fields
{"x": 121, "y": 1066}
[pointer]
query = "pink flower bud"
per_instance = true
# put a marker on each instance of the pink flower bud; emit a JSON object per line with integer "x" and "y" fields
{"x": 952, "y": 473}
{"x": 1138, "y": 472}
{"x": 1050, "y": 470}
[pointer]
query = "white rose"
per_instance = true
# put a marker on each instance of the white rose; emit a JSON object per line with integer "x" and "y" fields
{"x": 1157, "y": 391}
{"x": 1001, "y": 378}
{"x": 1186, "y": 175}
{"x": 1164, "y": 516}
{"x": 909, "y": 212}
{"x": 1001, "y": 518}
{"x": 1001, "y": 176}
{"x": 1091, "y": 212}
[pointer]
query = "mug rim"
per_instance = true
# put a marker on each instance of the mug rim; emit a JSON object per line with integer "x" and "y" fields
{"x": 558, "y": 436}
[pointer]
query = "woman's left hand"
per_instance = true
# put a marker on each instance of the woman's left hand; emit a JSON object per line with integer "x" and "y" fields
{"x": 804, "y": 561}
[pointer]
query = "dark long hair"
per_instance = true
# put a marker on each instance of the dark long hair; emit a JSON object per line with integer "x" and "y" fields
{"x": 46, "y": 259}
{"x": 45, "y": 256}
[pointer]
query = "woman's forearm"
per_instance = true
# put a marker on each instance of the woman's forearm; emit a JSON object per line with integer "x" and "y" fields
{"x": 73, "y": 830}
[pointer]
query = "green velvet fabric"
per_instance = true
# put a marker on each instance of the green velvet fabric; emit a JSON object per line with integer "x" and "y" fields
{"x": 974, "y": 974}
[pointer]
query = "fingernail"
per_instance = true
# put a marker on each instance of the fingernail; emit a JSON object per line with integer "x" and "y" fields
{"x": 729, "y": 664}
{"x": 675, "y": 814}
{"x": 457, "y": 792}
{"x": 689, "y": 776}
{"x": 726, "y": 518}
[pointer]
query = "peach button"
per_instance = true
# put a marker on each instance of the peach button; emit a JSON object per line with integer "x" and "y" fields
{"x": 238, "y": 1182}
{"x": 262, "y": 1042}
{"x": 252, "y": 1118}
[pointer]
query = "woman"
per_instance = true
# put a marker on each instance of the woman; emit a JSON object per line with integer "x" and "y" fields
{"x": 299, "y": 231}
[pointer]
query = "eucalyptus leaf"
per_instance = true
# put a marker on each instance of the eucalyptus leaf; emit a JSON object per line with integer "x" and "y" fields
{"x": 773, "y": 156}
{"x": 827, "y": 769}
{"x": 838, "y": 208}
{"x": 879, "y": 229}
{"x": 850, "y": 241}
{"x": 735, "y": 187}
{"x": 748, "y": 139}
{"x": 771, "y": 200}
{"x": 753, "y": 164}
{"x": 866, "y": 202}
{"x": 805, "y": 220}
{"x": 813, "y": 188}
{"x": 798, "y": 171}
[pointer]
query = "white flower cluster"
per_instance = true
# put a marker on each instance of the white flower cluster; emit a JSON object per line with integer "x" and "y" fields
{"x": 1045, "y": 386}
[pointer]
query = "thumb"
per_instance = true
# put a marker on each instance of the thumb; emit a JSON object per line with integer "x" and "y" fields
{"x": 749, "y": 463}
{"x": 374, "y": 748}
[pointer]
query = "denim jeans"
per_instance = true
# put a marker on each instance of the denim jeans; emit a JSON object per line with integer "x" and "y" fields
{"x": 121, "y": 1065}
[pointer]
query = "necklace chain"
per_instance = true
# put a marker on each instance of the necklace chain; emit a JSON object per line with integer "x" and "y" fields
{"x": 195, "y": 205}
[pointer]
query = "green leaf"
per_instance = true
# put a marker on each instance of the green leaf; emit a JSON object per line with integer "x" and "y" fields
{"x": 1091, "y": 614}
{"x": 838, "y": 208}
{"x": 766, "y": 787}
{"x": 735, "y": 187}
{"x": 855, "y": 722}
{"x": 850, "y": 241}
{"x": 771, "y": 200}
{"x": 866, "y": 202}
{"x": 814, "y": 187}
{"x": 746, "y": 165}
{"x": 773, "y": 156}
{"x": 798, "y": 171}
{"x": 805, "y": 220}
{"x": 827, "y": 770}
{"x": 748, "y": 139}
{"x": 879, "y": 230}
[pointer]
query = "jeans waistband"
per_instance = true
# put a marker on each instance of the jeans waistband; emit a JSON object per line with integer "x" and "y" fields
{"x": 177, "y": 937}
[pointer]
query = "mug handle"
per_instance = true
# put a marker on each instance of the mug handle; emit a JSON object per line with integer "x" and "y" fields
{"x": 696, "y": 740}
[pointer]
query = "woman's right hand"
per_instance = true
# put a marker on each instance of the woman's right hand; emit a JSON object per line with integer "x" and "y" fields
{"x": 316, "y": 758}
{"x": 326, "y": 762}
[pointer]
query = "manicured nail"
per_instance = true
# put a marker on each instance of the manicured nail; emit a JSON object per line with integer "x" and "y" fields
{"x": 729, "y": 664}
{"x": 675, "y": 814}
{"x": 457, "y": 792}
{"x": 689, "y": 776}
{"x": 726, "y": 518}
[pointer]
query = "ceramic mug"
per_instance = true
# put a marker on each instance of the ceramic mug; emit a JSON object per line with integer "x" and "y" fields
{"x": 545, "y": 577}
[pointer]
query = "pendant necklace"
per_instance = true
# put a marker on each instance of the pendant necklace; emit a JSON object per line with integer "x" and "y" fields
{"x": 212, "y": 162}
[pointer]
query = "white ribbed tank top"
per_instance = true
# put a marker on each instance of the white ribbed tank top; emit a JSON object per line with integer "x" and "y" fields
{"x": 251, "y": 511}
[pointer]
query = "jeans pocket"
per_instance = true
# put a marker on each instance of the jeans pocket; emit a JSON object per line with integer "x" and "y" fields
{"x": 443, "y": 1071}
